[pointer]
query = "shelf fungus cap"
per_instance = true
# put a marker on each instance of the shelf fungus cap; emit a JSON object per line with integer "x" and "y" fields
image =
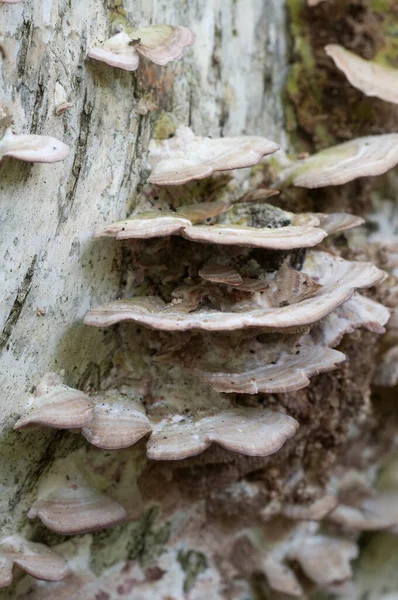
{"x": 356, "y": 312}
{"x": 338, "y": 222}
{"x": 75, "y": 507}
{"x": 305, "y": 230}
{"x": 316, "y": 511}
{"x": 36, "y": 559}
{"x": 250, "y": 560}
{"x": 162, "y": 43}
{"x": 56, "y": 405}
{"x": 158, "y": 43}
{"x": 374, "y": 513}
{"x": 162, "y": 223}
{"x": 217, "y": 273}
{"x": 146, "y": 225}
{"x": 186, "y": 157}
{"x": 281, "y": 238}
{"x": 117, "y": 52}
{"x": 249, "y": 431}
{"x": 280, "y": 578}
{"x": 361, "y": 157}
{"x": 33, "y": 148}
{"x": 335, "y": 280}
{"x": 325, "y": 560}
{"x": 10, "y": 1}
{"x": 289, "y": 372}
{"x": 367, "y": 76}
{"x": 118, "y": 423}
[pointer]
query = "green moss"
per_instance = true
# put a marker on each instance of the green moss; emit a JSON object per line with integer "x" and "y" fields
{"x": 321, "y": 107}
{"x": 117, "y": 15}
{"x": 164, "y": 127}
{"x": 139, "y": 540}
{"x": 388, "y": 10}
{"x": 303, "y": 86}
{"x": 193, "y": 563}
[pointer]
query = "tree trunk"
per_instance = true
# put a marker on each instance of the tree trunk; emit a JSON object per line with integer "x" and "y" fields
{"x": 52, "y": 270}
{"x": 219, "y": 525}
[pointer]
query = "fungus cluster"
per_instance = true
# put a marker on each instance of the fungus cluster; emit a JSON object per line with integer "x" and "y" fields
{"x": 243, "y": 306}
{"x": 158, "y": 43}
{"x": 234, "y": 307}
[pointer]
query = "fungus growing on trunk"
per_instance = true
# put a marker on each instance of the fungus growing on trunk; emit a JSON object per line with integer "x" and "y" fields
{"x": 373, "y": 513}
{"x": 36, "y": 559}
{"x": 267, "y": 368}
{"x": 361, "y": 157}
{"x": 293, "y": 231}
{"x": 335, "y": 279}
{"x": 249, "y": 560}
{"x": 369, "y": 77}
{"x": 283, "y": 238}
{"x": 158, "y": 43}
{"x": 32, "y": 148}
{"x": 316, "y": 511}
{"x": 358, "y": 311}
{"x": 146, "y": 225}
{"x": 253, "y": 432}
{"x": 121, "y": 421}
{"x": 73, "y": 507}
{"x": 249, "y": 431}
{"x": 186, "y": 157}
{"x": 325, "y": 560}
{"x": 118, "y": 422}
{"x": 54, "y": 404}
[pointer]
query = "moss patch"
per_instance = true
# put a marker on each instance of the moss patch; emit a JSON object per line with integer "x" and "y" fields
{"x": 322, "y": 107}
{"x": 193, "y": 564}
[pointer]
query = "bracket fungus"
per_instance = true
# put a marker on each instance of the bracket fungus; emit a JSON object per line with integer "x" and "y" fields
{"x": 281, "y": 578}
{"x": 273, "y": 367}
{"x": 335, "y": 279}
{"x": 249, "y": 560}
{"x": 325, "y": 560}
{"x": 36, "y": 559}
{"x": 283, "y": 238}
{"x": 361, "y": 157}
{"x": 54, "y": 404}
{"x": 293, "y": 230}
{"x": 32, "y": 148}
{"x": 158, "y": 43}
{"x": 372, "y": 513}
{"x": 253, "y": 432}
{"x": 117, "y": 423}
{"x": 71, "y": 506}
{"x": 369, "y": 77}
{"x": 317, "y": 511}
{"x": 186, "y": 157}
{"x": 356, "y": 312}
